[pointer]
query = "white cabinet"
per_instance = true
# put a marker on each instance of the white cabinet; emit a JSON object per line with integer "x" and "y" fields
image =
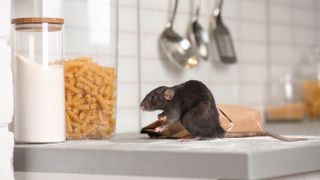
{"x": 6, "y": 154}
{"x": 5, "y": 18}
{"x": 6, "y": 87}
{"x": 6, "y": 94}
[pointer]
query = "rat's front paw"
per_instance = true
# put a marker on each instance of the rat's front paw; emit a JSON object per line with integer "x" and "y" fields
{"x": 159, "y": 129}
{"x": 163, "y": 119}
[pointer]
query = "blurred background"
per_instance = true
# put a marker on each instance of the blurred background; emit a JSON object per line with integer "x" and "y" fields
{"x": 271, "y": 38}
{"x": 275, "y": 44}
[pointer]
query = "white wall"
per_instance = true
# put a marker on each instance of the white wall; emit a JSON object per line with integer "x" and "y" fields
{"x": 270, "y": 36}
{"x": 36, "y": 8}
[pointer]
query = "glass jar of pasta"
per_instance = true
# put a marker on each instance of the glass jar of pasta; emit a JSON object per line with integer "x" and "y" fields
{"x": 91, "y": 69}
{"x": 309, "y": 70}
{"x": 285, "y": 102}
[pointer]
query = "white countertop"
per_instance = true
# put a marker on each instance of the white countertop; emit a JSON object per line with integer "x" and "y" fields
{"x": 133, "y": 154}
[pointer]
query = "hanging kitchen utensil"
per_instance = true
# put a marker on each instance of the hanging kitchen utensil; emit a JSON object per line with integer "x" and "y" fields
{"x": 177, "y": 49}
{"x": 221, "y": 37}
{"x": 198, "y": 36}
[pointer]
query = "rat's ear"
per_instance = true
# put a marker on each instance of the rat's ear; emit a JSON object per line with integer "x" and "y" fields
{"x": 168, "y": 94}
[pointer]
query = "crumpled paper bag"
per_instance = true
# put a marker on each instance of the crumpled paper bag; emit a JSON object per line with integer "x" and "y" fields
{"x": 233, "y": 118}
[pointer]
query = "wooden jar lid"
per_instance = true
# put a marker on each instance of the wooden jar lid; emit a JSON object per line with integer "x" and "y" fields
{"x": 37, "y": 20}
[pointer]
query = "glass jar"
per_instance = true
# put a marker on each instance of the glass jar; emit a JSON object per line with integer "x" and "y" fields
{"x": 285, "y": 102}
{"x": 39, "y": 98}
{"x": 91, "y": 68}
{"x": 309, "y": 71}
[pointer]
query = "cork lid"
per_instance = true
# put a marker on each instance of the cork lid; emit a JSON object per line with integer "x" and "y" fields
{"x": 34, "y": 24}
{"x": 37, "y": 20}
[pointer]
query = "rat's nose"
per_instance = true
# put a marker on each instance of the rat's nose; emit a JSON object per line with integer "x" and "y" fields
{"x": 142, "y": 107}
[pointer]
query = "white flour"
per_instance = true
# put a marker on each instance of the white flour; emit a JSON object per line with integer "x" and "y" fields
{"x": 39, "y": 112}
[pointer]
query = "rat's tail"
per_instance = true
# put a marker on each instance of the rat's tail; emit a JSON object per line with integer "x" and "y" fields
{"x": 261, "y": 133}
{"x": 283, "y": 138}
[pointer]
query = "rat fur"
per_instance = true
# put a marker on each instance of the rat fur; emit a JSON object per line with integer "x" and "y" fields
{"x": 191, "y": 103}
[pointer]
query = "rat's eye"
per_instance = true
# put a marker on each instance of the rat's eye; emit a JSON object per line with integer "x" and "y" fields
{"x": 153, "y": 98}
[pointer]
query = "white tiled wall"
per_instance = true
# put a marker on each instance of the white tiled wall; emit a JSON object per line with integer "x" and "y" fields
{"x": 128, "y": 68}
{"x": 36, "y": 8}
{"x": 6, "y": 87}
{"x": 270, "y": 36}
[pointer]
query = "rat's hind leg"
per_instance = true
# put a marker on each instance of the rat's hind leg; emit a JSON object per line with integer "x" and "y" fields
{"x": 202, "y": 121}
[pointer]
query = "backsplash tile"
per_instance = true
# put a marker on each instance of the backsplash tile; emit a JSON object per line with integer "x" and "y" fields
{"x": 128, "y": 44}
{"x": 252, "y": 73}
{"x": 304, "y": 17}
{"x": 125, "y": 19}
{"x": 234, "y": 28}
{"x": 225, "y": 93}
{"x": 305, "y": 3}
{"x": 231, "y": 8}
{"x": 128, "y": 117}
{"x": 74, "y": 8}
{"x": 269, "y": 36}
{"x": 281, "y": 53}
{"x": 129, "y": 69}
{"x": 280, "y": 13}
{"x": 304, "y": 36}
{"x": 156, "y": 5}
{"x": 281, "y": 34}
{"x": 252, "y": 52}
{"x": 278, "y": 71}
{"x": 127, "y": 120}
{"x": 252, "y": 31}
{"x": 252, "y": 94}
{"x": 151, "y": 52}
{"x": 227, "y": 74}
{"x": 152, "y": 22}
{"x": 132, "y": 3}
{"x": 253, "y": 10}
{"x": 127, "y": 95}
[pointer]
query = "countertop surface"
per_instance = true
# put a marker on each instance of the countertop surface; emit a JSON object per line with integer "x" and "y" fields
{"x": 134, "y": 154}
{"x": 295, "y": 128}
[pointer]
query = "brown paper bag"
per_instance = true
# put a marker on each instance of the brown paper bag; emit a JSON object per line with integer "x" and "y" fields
{"x": 243, "y": 119}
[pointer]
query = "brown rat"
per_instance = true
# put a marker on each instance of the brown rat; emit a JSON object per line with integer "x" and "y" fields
{"x": 193, "y": 104}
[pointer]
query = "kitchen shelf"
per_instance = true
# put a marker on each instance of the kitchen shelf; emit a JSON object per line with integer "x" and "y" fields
{"x": 137, "y": 155}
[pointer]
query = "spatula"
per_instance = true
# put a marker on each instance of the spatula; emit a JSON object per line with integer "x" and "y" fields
{"x": 220, "y": 35}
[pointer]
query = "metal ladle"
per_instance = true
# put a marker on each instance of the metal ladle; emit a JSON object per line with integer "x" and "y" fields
{"x": 177, "y": 49}
{"x": 198, "y": 37}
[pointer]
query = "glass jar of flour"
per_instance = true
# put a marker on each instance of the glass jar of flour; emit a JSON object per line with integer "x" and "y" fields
{"x": 39, "y": 98}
